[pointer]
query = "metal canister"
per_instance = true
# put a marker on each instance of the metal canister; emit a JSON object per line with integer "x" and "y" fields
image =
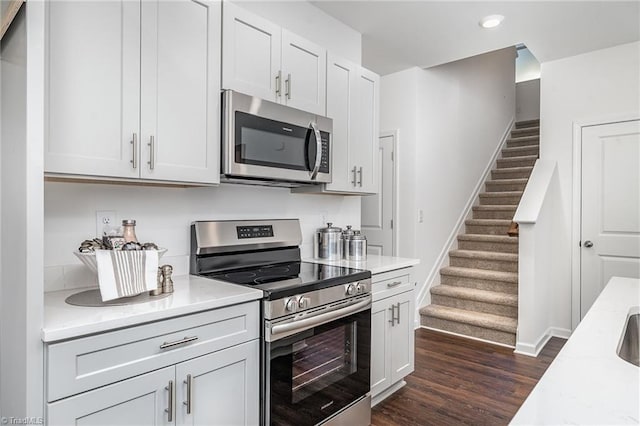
{"x": 328, "y": 243}
{"x": 356, "y": 246}
{"x": 346, "y": 234}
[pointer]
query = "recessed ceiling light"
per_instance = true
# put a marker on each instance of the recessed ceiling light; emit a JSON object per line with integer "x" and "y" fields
{"x": 491, "y": 21}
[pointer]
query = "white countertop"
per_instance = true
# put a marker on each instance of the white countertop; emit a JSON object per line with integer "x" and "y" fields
{"x": 374, "y": 263}
{"x": 191, "y": 294}
{"x": 588, "y": 383}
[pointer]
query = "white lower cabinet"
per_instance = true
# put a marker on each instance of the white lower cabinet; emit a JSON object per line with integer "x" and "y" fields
{"x": 201, "y": 369}
{"x": 392, "y": 334}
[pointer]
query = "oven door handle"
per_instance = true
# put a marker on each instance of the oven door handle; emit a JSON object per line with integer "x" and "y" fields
{"x": 307, "y": 323}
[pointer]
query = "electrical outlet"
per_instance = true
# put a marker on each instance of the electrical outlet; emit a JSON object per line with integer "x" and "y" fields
{"x": 103, "y": 218}
{"x": 420, "y": 216}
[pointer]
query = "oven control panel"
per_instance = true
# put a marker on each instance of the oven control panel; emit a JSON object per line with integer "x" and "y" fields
{"x": 257, "y": 231}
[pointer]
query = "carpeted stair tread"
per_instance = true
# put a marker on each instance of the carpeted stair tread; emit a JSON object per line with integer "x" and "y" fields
{"x": 484, "y": 255}
{"x": 525, "y": 131}
{"x": 508, "y": 172}
{"x": 488, "y": 222}
{"x": 511, "y": 160}
{"x": 528, "y": 123}
{"x": 481, "y": 274}
{"x": 501, "y": 185}
{"x": 496, "y": 208}
{"x": 520, "y": 151}
{"x": 501, "y": 194}
{"x": 495, "y": 322}
{"x": 494, "y": 297}
{"x": 488, "y": 238}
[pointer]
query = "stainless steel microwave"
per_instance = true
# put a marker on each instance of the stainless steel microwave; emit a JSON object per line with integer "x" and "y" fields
{"x": 267, "y": 143}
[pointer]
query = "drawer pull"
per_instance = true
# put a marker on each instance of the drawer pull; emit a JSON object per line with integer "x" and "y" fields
{"x": 166, "y": 345}
{"x": 189, "y": 383}
{"x": 394, "y": 284}
{"x": 169, "y": 410}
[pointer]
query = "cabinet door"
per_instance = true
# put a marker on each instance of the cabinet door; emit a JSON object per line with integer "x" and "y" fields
{"x": 380, "y": 347}
{"x": 304, "y": 73}
{"x": 93, "y": 88}
{"x": 365, "y": 144}
{"x": 251, "y": 49}
{"x": 139, "y": 401}
{"x": 402, "y": 336}
{"x": 180, "y": 136}
{"x": 342, "y": 78}
{"x": 224, "y": 387}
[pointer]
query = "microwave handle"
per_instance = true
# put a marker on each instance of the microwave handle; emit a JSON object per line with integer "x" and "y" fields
{"x": 316, "y": 166}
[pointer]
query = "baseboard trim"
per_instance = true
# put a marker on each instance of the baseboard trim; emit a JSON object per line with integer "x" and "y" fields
{"x": 387, "y": 393}
{"x": 466, "y": 337}
{"x": 458, "y": 229}
{"x": 533, "y": 349}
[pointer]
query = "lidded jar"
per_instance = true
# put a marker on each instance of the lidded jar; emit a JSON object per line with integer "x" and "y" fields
{"x": 346, "y": 234}
{"x": 356, "y": 247}
{"x": 129, "y": 230}
{"x": 328, "y": 243}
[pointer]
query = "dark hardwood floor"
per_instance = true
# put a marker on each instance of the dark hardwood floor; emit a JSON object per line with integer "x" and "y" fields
{"x": 461, "y": 381}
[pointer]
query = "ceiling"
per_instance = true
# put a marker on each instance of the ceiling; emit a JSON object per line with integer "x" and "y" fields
{"x": 399, "y": 34}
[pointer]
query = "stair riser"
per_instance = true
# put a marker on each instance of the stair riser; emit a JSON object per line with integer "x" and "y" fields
{"x": 525, "y": 131}
{"x": 469, "y": 330}
{"x": 520, "y": 142}
{"x": 493, "y": 214}
{"x": 488, "y": 285}
{"x": 487, "y": 246}
{"x": 499, "y": 187}
{"x": 533, "y": 150}
{"x": 475, "y": 306}
{"x": 487, "y": 229}
{"x": 498, "y": 174}
{"x": 509, "y": 200}
{"x": 527, "y": 123}
{"x": 487, "y": 264}
{"x": 504, "y": 163}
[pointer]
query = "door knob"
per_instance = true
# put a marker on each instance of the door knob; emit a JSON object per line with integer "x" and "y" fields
{"x": 588, "y": 244}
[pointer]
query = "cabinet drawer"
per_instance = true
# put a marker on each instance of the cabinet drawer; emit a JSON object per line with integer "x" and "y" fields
{"x": 390, "y": 283}
{"x": 86, "y": 363}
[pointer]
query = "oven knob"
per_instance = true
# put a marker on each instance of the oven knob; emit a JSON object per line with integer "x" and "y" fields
{"x": 351, "y": 289}
{"x": 303, "y": 302}
{"x": 360, "y": 288}
{"x": 291, "y": 305}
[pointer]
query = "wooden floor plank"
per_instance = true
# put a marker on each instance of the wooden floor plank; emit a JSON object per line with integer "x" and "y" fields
{"x": 459, "y": 381}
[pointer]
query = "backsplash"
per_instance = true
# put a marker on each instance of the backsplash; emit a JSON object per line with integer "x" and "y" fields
{"x": 164, "y": 215}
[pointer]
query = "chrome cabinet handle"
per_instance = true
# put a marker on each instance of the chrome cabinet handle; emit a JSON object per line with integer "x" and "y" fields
{"x": 588, "y": 244}
{"x": 353, "y": 182}
{"x": 360, "y": 173}
{"x": 316, "y": 166}
{"x": 166, "y": 345}
{"x": 189, "y": 383}
{"x": 169, "y": 410}
{"x": 152, "y": 153}
{"x": 394, "y": 284}
{"x": 393, "y": 315}
{"x": 134, "y": 157}
{"x": 287, "y": 87}
{"x": 398, "y": 318}
{"x": 279, "y": 84}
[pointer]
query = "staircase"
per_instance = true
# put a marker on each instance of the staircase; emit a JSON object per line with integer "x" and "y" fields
{"x": 478, "y": 291}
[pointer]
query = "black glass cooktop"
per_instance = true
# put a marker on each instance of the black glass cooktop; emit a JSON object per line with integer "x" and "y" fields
{"x": 286, "y": 279}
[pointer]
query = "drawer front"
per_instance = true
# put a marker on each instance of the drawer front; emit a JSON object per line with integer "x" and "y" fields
{"x": 391, "y": 283}
{"x": 86, "y": 363}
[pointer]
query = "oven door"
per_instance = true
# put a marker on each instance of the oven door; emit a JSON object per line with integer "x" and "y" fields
{"x": 265, "y": 140}
{"x": 315, "y": 373}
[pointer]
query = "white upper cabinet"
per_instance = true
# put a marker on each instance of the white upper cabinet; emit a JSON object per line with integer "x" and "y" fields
{"x": 180, "y": 101}
{"x": 365, "y": 145}
{"x": 262, "y": 59}
{"x": 342, "y": 79}
{"x": 251, "y": 49}
{"x": 93, "y": 81}
{"x": 133, "y": 90}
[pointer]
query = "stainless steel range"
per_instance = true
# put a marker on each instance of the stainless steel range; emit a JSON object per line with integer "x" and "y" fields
{"x": 316, "y": 320}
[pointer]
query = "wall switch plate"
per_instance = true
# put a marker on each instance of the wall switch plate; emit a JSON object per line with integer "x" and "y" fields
{"x": 104, "y": 218}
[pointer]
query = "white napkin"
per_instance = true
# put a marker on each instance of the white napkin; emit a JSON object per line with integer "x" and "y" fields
{"x": 123, "y": 273}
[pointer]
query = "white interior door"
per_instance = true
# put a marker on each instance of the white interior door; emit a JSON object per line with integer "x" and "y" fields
{"x": 610, "y": 234}
{"x": 377, "y": 210}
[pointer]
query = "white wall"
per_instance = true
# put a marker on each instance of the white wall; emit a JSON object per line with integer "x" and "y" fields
{"x": 465, "y": 109}
{"x": 306, "y": 20}
{"x": 599, "y": 85}
{"x": 163, "y": 216}
{"x": 528, "y": 100}
{"x": 527, "y": 66}
{"x": 21, "y": 367}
